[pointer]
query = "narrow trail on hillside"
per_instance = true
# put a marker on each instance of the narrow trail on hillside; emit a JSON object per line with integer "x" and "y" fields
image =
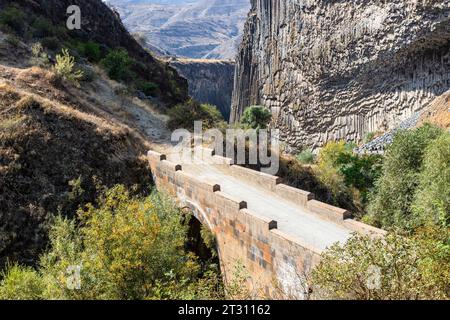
{"x": 141, "y": 113}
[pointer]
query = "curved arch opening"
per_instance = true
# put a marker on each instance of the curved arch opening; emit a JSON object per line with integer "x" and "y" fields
{"x": 201, "y": 242}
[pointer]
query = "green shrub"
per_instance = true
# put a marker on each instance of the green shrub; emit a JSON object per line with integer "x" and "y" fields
{"x": 42, "y": 28}
{"x": 65, "y": 67}
{"x": 184, "y": 115}
{"x": 51, "y": 43}
{"x": 148, "y": 88}
{"x": 21, "y": 283}
{"x": 12, "y": 18}
{"x": 39, "y": 56}
{"x": 328, "y": 166}
{"x": 348, "y": 175}
{"x": 332, "y": 152}
{"x": 390, "y": 204}
{"x": 117, "y": 63}
{"x": 360, "y": 172}
{"x": 91, "y": 50}
{"x": 127, "y": 248}
{"x": 256, "y": 117}
{"x": 306, "y": 157}
{"x": 385, "y": 268}
{"x": 432, "y": 199}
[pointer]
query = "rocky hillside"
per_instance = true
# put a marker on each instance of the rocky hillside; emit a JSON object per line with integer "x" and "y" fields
{"x": 342, "y": 69}
{"x": 210, "y": 81}
{"x": 438, "y": 112}
{"x": 187, "y": 28}
{"x": 62, "y": 141}
{"x": 102, "y": 25}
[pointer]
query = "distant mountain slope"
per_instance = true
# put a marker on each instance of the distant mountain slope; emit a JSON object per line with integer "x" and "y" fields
{"x": 190, "y": 28}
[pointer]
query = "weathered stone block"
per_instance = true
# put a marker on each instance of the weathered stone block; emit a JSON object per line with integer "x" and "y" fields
{"x": 328, "y": 212}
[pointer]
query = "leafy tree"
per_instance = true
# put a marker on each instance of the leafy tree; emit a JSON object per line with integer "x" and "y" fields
{"x": 360, "y": 172}
{"x": 390, "y": 204}
{"x": 65, "y": 67}
{"x": 350, "y": 177}
{"x": 127, "y": 248}
{"x": 392, "y": 267}
{"x": 432, "y": 199}
{"x": 118, "y": 63}
{"x": 256, "y": 117}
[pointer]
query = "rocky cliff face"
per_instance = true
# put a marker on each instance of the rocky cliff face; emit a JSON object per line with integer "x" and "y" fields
{"x": 210, "y": 81}
{"x": 340, "y": 69}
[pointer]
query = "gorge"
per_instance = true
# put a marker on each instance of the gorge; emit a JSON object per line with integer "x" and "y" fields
{"x": 99, "y": 200}
{"x": 210, "y": 81}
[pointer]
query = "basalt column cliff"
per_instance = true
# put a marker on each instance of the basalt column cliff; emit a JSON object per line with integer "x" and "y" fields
{"x": 340, "y": 69}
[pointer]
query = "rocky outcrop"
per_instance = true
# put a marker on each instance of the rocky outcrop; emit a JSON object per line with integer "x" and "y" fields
{"x": 340, "y": 69}
{"x": 210, "y": 81}
{"x": 438, "y": 113}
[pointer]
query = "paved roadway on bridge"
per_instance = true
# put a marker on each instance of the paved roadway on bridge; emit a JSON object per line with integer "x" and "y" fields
{"x": 292, "y": 219}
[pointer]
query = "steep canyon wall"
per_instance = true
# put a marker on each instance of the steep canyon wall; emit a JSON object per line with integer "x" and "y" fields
{"x": 210, "y": 81}
{"x": 340, "y": 69}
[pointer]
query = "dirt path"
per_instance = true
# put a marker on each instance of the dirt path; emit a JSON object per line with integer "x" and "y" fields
{"x": 140, "y": 113}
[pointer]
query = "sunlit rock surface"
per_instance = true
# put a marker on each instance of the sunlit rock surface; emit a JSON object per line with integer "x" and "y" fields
{"x": 340, "y": 69}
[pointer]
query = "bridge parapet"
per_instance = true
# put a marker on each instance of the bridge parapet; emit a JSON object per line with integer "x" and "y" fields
{"x": 296, "y": 196}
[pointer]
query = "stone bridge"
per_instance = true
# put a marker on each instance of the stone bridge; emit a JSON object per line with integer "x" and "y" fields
{"x": 275, "y": 231}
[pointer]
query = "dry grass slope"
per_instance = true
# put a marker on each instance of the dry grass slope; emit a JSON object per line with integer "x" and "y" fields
{"x": 438, "y": 112}
{"x": 49, "y": 138}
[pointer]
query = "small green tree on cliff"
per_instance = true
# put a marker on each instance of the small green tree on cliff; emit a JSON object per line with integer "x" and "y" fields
{"x": 256, "y": 117}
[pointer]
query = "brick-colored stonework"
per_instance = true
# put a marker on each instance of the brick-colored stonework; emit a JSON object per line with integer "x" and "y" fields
{"x": 278, "y": 264}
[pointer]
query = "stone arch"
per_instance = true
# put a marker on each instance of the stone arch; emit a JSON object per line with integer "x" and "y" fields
{"x": 197, "y": 244}
{"x": 196, "y": 209}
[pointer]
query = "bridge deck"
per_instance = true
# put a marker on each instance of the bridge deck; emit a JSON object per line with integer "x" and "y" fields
{"x": 296, "y": 221}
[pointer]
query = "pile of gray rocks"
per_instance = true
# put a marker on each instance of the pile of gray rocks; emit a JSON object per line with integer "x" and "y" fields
{"x": 379, "y": 144}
